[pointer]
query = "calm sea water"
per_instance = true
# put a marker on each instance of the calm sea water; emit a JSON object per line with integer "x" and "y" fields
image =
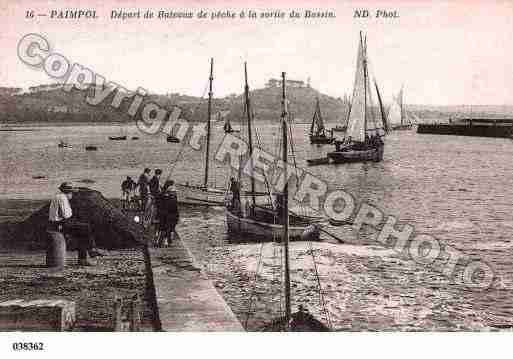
{"x": 459, "y": 189}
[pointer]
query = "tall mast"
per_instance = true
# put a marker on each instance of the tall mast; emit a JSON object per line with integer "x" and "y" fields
{"x": 383, "y": 113}
{"x": 250, "y": 139}
{"x": 209, "y": 113}
{"x": 285, "y": 204}
{"x": 364, "y": 50}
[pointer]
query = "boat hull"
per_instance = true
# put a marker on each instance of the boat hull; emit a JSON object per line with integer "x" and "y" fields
{"x": 117, "y": 138}
{"x": 402, "y": 128}
{"x": 318, "y": 161}
{"x": 320, "y": 139}
{"x": 260, "y": 230}
{"x": 197, "y": 195}
{"x": 173, "y": 139}
{"x": 351, "y": 155}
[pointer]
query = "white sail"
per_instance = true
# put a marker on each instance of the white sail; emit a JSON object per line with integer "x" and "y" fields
{"x": 374, "y": 123}
{"x": 356, "y": 122}
{"x": 395, "y": 113}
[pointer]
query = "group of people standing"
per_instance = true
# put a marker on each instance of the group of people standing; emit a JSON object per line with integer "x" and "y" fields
{"x": 155, "y": 201}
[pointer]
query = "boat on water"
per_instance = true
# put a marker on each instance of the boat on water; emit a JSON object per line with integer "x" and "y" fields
{"x": 397, "y": 117}
{"x": 91, "y": 148}
{"x": 63, "y": 144}
{"x": 318, "y": 161}
{"x": 135, "y": 138}
{"x": 280, "y": 227}
{"x": 258, "y": 221}
{"x": 205, "y": 194}
{"x": 117, "y": 138}
{"x": 365, "y": 129}
{"x": 172, "y": 139}
{"x": 339, "y": 128}
{"x": 317, "y": 130}
{"x": 227, "y": 127}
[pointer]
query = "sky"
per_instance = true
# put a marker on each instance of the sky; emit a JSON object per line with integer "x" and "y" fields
{"x": 443, "y": 52}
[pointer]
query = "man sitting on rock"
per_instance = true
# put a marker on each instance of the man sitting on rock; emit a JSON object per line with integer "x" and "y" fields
{"x": 60, "y": 222}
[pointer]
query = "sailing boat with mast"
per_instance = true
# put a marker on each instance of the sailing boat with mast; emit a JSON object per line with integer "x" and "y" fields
{"x": 228, "y": 126}
{"x": 346, "y": 104}
{"x": 397, "y": 114}
{"x": 204, "y": 194}
{"x": 122, "y": 136}
{"x": 317, "y": 129}
{"x": 260, "y": 221}
{"x": 365, "y": 129}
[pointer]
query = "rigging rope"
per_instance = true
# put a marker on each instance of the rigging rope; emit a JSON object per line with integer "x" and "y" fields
{"x": 321, "y": 295}
{"x": 248, "y": 314}
{"x": 183, "y": 144}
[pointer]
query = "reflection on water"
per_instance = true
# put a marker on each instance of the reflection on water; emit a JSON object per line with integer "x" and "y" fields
{"x": 456, "y": 188}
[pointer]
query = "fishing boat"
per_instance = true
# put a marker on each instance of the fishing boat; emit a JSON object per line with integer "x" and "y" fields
{"x": 117, "y": 138}
{"x": 365, "y": 129}
{"x": 227, "y": 127}
{"x": 397, "y": 118}
{"x": 301, "y": 320}
{"x": 318, "y": 161}
{"x": 317, "y": 129}
{"x": 122, "y": 133}
{"x": 205, "y": 194}
{"x": 63, "y": 144}
{"x": 259, "y": 221}
{"x": 339, "y": 128}
{"x": 172, "y": 139}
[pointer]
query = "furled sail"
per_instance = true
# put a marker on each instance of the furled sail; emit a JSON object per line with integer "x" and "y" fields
{"x": 317, "y": 127}
{"x": 356, "y": 122}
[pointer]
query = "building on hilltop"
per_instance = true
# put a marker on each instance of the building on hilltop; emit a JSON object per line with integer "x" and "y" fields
{"x": 289, "y": 83}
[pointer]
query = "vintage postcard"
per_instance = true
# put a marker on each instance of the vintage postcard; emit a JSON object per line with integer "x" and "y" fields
{"x": 286, "y": 166}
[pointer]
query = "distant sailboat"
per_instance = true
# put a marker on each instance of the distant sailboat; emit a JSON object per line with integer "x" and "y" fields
{"x": 63, "y": 144}
{"x": 227, "y": 126}
{"x": 172, "y": 139}
{"x": 121, "y": 137}
{"x": 346, "y": 103}
{"x": 365, "y": 129}
{"x": 317, "y": 129}
{"x": 397, "y": 115}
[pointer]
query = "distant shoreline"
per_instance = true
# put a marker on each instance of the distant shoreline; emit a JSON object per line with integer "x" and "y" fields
{"x": 12, "y": 126}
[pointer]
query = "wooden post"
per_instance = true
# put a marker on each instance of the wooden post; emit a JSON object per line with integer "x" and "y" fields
{"x": 134, "y": 316}
{"x": 209, "y": 112}
{"x": 118, "y": 321}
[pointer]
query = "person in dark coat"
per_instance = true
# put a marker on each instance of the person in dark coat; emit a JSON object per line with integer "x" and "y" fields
{"x": 167, "y": 212}
{"x": 235, "y": 189}
{"x": 155, "y": 183}
{"x": 143, "y": 184}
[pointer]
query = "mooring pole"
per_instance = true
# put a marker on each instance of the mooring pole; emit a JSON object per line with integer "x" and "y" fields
{"x": 209, "y": 113}
{"x": 285, "y": 204}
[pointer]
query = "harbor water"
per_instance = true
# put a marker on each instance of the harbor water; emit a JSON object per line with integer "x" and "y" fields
{"x": 455, "y": 188}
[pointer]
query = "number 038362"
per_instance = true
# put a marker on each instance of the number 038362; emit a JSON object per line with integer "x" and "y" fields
{"x": 27, "y": 346}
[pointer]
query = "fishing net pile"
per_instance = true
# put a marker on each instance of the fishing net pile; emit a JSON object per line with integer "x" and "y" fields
{"x": 110, "y": 226}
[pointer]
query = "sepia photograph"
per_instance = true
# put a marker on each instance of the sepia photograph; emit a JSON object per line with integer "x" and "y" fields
{"x": 247, "y": 167}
